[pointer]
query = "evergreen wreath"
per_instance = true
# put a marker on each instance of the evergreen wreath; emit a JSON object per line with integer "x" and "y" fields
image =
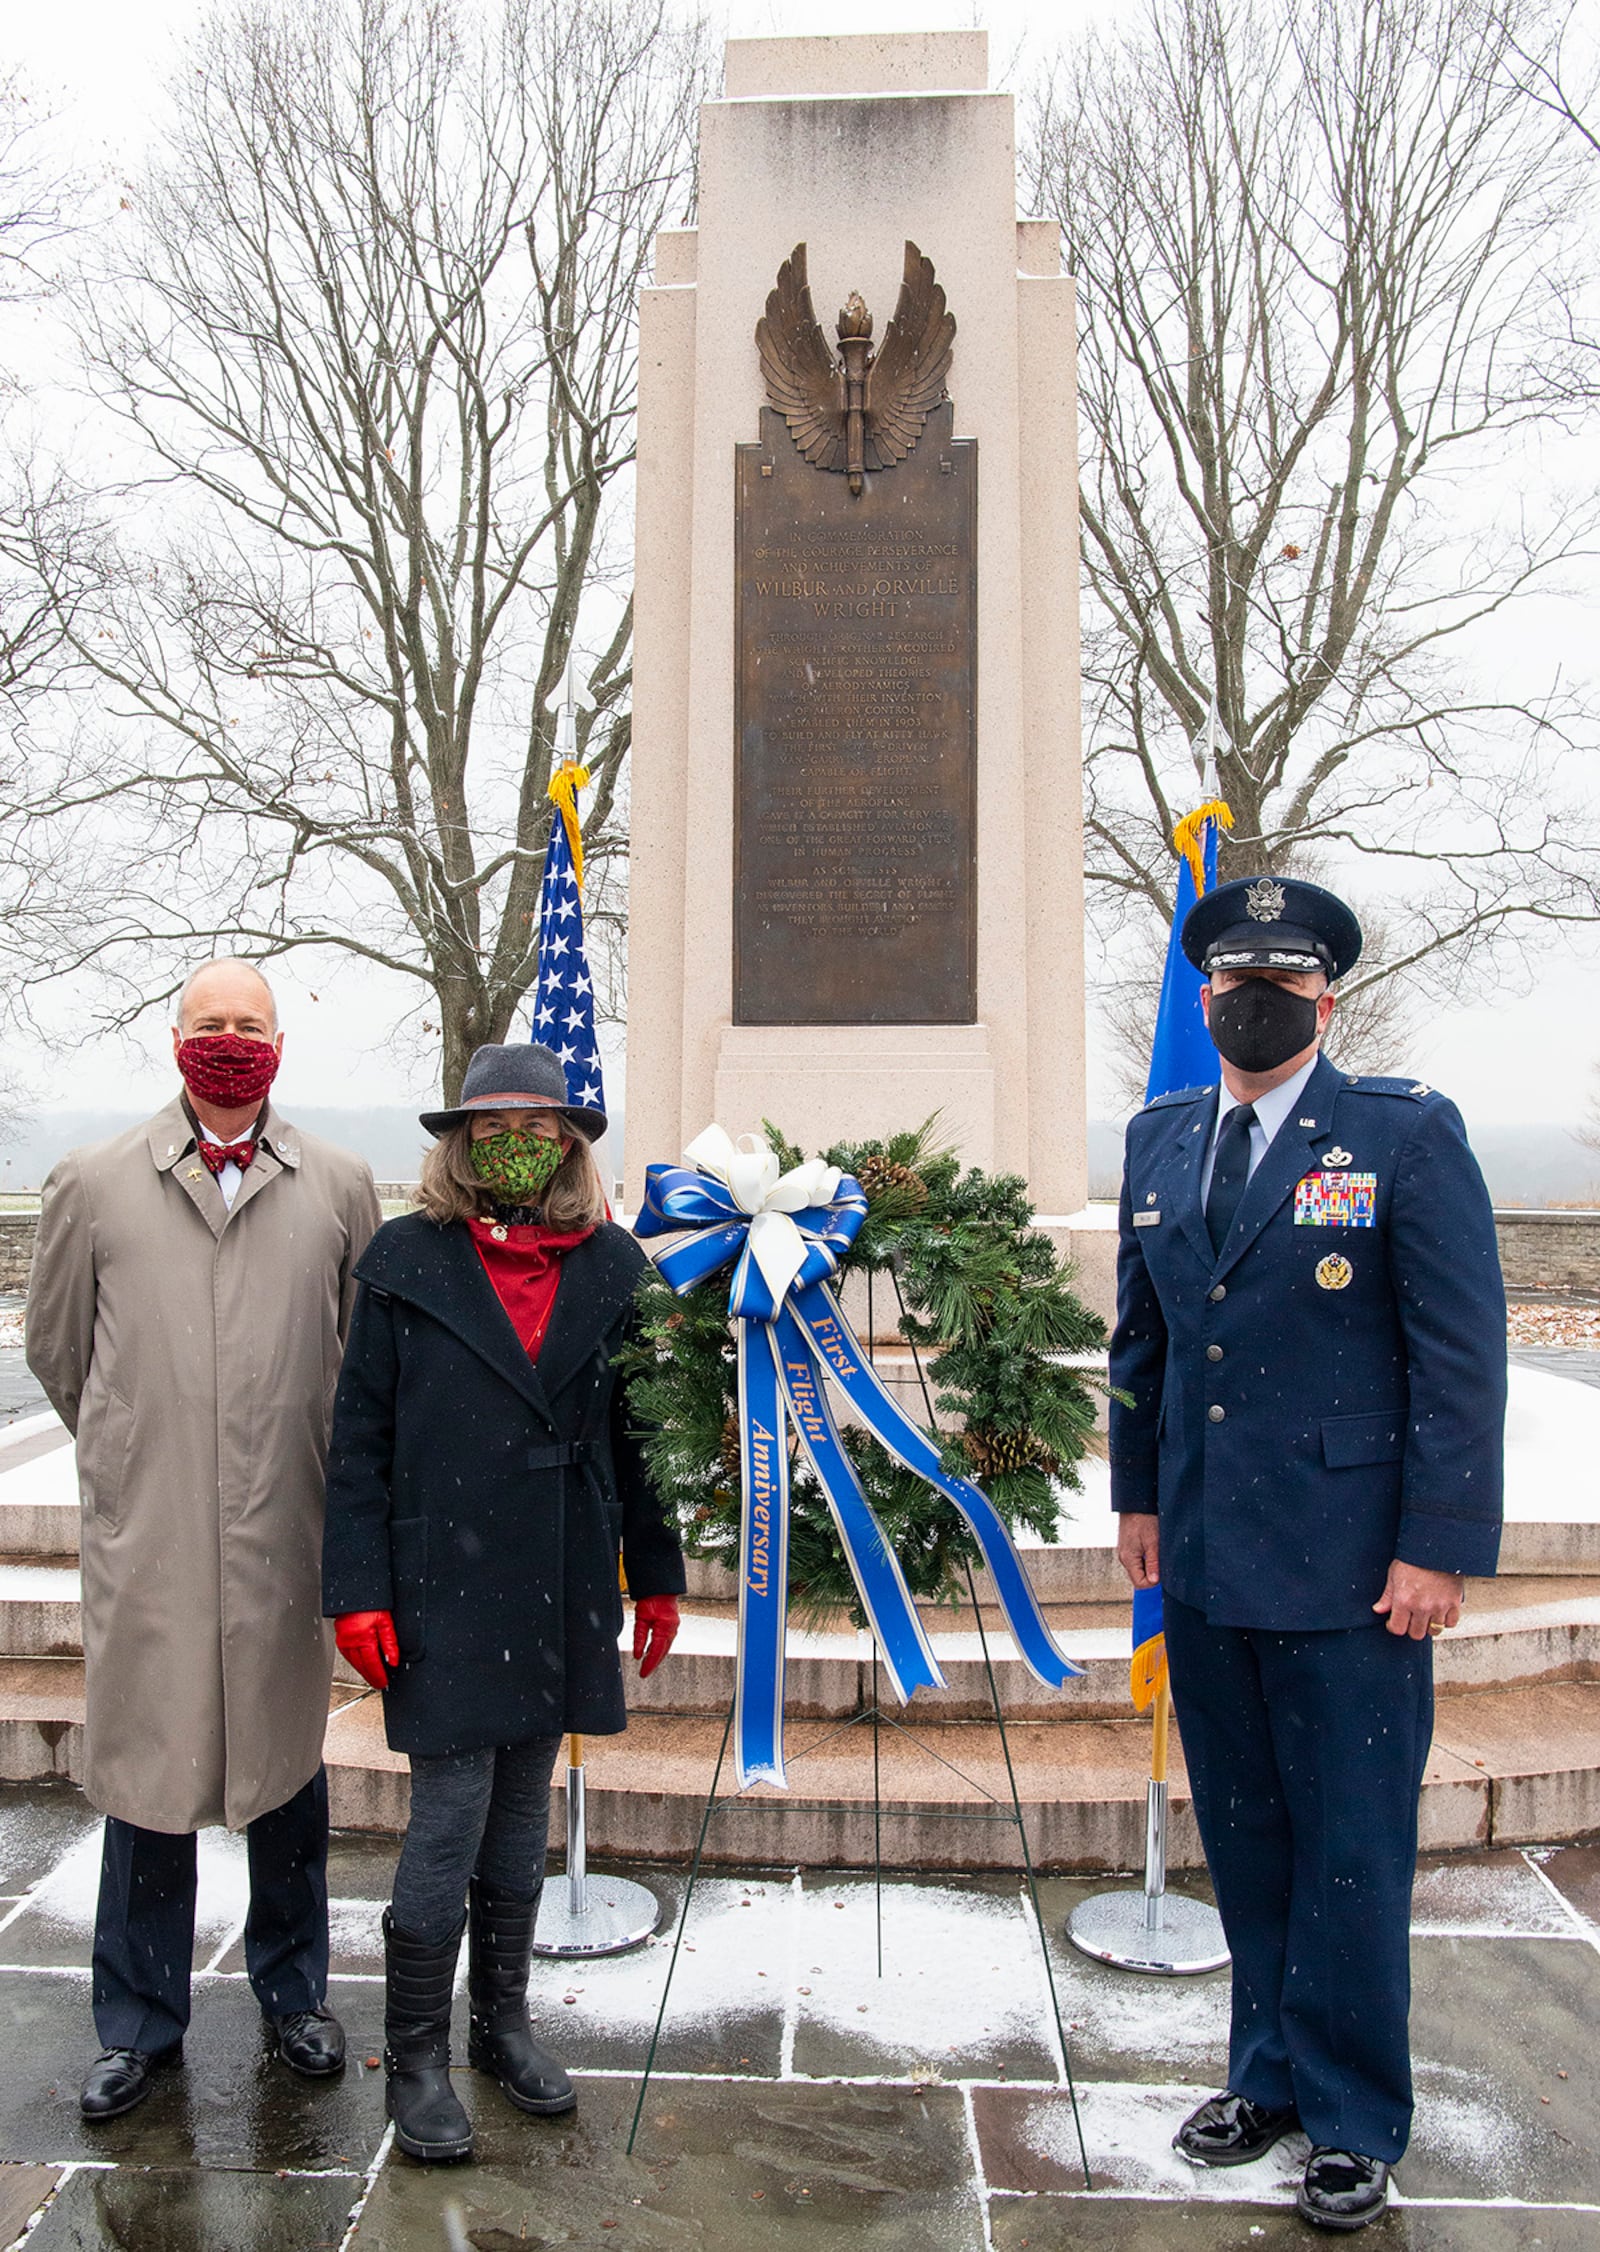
{"x": 987, "y": 1303}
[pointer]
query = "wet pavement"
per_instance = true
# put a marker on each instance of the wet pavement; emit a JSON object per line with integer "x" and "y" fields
{"x": 800, "y": 2098}
{"x": 20, "y": 1391}
{"x": 1580, "y": 1362}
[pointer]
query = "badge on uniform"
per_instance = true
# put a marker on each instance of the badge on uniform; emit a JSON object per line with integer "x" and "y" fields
{"x": 1334, "y": 1273}
{"x": 1336, "y": 1200}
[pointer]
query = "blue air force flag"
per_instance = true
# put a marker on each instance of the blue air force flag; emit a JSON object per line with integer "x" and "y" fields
{"x": 1181, "y": 1055}
{"x": 563, "y": 1005}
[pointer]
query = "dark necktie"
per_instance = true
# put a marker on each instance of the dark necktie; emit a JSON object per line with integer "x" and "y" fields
{"x": 214, "y": 1155}
{"x": 1229, "y": 1174}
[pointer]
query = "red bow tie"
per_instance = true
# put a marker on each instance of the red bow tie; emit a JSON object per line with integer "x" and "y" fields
{"x": 215, "y": 1155}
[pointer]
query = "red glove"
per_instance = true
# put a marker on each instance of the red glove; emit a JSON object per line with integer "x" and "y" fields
{"x": 367, "y": 1640}
{"x": 655, "y": 1629}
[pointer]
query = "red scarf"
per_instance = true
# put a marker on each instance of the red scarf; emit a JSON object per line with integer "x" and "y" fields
{"x": 524, "y": 1264}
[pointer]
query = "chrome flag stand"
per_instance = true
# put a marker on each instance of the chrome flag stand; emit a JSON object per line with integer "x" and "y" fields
{"x": 1164, "y": 1934}
{"x": 590, "y": 1915}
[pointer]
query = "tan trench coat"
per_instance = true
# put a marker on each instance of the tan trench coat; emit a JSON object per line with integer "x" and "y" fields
{"x": 193, "y": 1352}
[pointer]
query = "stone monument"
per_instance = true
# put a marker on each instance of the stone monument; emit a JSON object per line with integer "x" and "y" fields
{"x": 857, "y": 869}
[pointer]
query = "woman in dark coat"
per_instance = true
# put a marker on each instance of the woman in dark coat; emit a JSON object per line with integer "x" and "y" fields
{"x": 482, "y": 1481}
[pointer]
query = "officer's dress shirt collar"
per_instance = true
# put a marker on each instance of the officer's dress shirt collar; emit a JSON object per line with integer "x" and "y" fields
{"x": 229, "y": 1178}
{"x": 1271, "y": 1110}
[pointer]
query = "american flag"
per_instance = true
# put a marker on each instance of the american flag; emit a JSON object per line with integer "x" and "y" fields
{"x": 563, "y": 1005}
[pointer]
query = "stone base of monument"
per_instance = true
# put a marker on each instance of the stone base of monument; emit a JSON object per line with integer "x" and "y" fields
{"x": 1515, "y": 1758}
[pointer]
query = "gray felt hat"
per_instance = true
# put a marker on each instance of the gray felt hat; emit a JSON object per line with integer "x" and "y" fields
{"x": 523, "y": 1077}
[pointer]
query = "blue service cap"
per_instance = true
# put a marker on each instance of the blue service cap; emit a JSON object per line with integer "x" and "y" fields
{"x": 1271, "y": 923}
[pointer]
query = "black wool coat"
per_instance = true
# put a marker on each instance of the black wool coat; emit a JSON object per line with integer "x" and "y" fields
{"x": 483, "y": 1498}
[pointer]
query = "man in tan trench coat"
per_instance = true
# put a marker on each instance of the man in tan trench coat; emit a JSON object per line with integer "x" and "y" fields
{"x": 186, "y": 1316}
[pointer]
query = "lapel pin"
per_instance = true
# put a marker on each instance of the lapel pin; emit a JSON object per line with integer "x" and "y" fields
{"x": 1150, "y": 1199}
{"x": 1307, "y": 1123}
{"x": 195, "y": 1174}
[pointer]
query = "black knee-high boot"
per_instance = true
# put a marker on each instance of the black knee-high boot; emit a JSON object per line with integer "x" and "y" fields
{"x": 502, "y": 2041}
{"x": 429, "y": 2122}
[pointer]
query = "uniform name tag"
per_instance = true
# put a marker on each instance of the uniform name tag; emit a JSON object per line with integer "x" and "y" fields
{"x": 1336, "y": 1200}
{"x": 1147, "y": 1219}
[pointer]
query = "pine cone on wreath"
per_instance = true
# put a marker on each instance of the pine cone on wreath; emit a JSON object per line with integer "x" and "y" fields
{"x": 731, "y": 1452}
{"x": 879, "y": 1178}
{"x": 994, "y": 1453}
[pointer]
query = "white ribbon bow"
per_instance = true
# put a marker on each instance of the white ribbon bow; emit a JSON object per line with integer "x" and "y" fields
{"x": 752, "y": 1176}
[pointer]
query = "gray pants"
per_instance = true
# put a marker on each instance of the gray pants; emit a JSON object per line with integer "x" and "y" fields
{"x": 483, "y": 1814}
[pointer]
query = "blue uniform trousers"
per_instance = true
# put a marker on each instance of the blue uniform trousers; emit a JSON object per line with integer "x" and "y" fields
{"x": 144, "y": 1926}
{"x": 1305, "y": 1754}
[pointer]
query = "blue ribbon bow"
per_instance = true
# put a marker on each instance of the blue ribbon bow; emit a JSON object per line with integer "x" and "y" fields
{"x": 786, "y": 1234}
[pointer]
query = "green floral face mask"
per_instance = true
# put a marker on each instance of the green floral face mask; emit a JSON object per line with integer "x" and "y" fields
{"x": 516, "y": 1168}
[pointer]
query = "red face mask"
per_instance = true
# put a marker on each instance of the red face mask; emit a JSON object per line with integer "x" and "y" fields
{"x": 220, "y": 1068}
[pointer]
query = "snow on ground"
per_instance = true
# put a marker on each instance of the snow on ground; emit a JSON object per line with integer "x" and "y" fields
{"x": 1552, "y": 1449}
{"x": 68, "y": 1895}
{"x": 1128, "y": 2128}
{"x": 1552, "y": 1462}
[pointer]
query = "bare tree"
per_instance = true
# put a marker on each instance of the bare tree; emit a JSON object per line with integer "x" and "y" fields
{"x": 372, "y": 331}
{"x": 1588, "y": 1127}
{"x": 34, "y": 215}
{"x": 1538, "y": 57}
{"x": 1324, "y": 255}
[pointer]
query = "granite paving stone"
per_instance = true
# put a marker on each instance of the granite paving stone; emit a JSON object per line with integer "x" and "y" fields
{"x": 359, "y": 1867}
{"x": 1490, "y": 1893}
{"x": 127, "y": 2209}
{"x": 38, "y": 1822}
{"x": 726, "y": 2009}
{"x": 720, "y": 2168}
{"x": 232, "y": 2104}
{"x": 23, "y": 2189}
{"x": 355, "y": 1941}
{"x": 1123, "y": 2027}
{"x": 1495, "y": 2023}
{"x": 962, "y": 1990}
{"x": 799, "y": 2099}
{"x": 1574, "y": 1870}
{"x": 56, "y": 1927}
{"x": 1113, "y": 2224}
{"x": 1029, "y": 2142}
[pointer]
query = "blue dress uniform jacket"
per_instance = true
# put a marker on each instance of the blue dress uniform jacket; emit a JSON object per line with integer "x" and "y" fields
{"x": 1324, "y": 1395}
{"x": 1328, "y": 1393}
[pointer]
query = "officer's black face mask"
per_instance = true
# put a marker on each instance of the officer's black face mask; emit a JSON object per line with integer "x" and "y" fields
{"x": 1257, "y": 1025}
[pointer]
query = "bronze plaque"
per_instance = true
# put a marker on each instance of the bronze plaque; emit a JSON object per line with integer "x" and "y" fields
{"x": 856, "y": 623}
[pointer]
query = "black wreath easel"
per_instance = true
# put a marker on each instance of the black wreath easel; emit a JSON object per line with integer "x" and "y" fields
{"x": 874, "y": 1716}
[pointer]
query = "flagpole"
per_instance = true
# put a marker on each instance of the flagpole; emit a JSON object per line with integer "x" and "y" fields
{"x": 1162, "y": 1934}
{"x": 588, "y": 1915}
{"x": 1155, "y": 1815}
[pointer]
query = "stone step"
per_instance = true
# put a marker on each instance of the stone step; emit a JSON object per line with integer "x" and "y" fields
{"x": 1552, "y": 1436}
{"x": 1512, "y": 1633}
{"x": 1508, "y": 1767}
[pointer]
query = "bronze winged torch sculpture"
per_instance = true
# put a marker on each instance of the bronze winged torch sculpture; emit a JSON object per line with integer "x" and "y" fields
{"x": 859, "y": 409}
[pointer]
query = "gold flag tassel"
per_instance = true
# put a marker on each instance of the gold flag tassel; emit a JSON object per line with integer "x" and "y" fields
{"x": 568, "y": 779}
{"x": 1188, "y": 840}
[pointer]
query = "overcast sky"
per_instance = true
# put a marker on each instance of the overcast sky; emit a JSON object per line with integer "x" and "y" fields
{"x": 100, "y": 64}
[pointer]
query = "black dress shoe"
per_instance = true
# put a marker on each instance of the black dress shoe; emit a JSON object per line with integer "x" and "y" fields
{"x": 1342, "y": 2190}
{"x": 310, "y": 2041}
{"x": 1230, "y": 2130}
{"x": 120, "y": 2078}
